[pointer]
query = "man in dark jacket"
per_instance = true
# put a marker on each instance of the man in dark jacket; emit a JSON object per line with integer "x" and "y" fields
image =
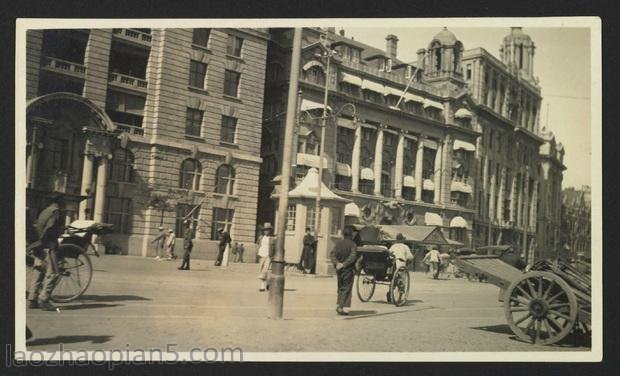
{"x": 343, "y": 257}
{"x": 224, "y": 241}
{"x": 187, "y": 244}
{"x": 47, "y": 228}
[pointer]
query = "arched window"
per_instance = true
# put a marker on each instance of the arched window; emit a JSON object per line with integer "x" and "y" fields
{"x": 121, "y": 166}
{"x": 437, "y": 52}
{"x": 225, "y": 179}
{"x": 315, "y": 74}
{"x": 191, "y": 172}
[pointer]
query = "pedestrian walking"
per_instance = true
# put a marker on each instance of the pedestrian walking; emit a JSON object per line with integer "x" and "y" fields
{"x": 306, "y": 262}
{"x": 188, "y": 235}
{"x": 343, "y": 257}
{"x": 266, "y": 246}
{"x": 159, "y": 242}
{"x": 238, "y": 252}
{"x": 225, "y": 241}
{"x": 47, "y": 228}
{"x": 432, "y": 259}
{"x": 169, "y": 243}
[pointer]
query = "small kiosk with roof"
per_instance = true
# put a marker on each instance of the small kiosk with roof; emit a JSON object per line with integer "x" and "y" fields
{"x": 301, "y": 214}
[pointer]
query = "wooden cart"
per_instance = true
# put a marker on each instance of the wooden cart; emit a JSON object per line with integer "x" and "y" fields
{"x": 542, "y": 305}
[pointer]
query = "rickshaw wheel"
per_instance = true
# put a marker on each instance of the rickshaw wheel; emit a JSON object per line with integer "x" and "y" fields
{"x": 365, "y": 286}
{"x": 540, "y": 308}
{"x": 399, "y": 287}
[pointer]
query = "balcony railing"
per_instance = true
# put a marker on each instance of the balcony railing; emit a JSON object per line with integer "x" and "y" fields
{"x": 128, "y": 81}
{"x": 63, "y": 66}
{"x": 131, "y": 129}
{"x": 134, "y": 35}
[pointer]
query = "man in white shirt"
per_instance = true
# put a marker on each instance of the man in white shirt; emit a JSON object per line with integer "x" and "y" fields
{"x": 266, "y": 246}
{"x": 402, "y": 254}
{"x": 432, "y": 258}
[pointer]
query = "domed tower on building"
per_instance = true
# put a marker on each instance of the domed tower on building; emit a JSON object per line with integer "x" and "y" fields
{"x": 517, "y": 52}
{"x": 442, "y": 59}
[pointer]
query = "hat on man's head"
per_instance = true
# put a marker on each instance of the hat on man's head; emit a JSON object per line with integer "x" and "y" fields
{"x": 267, "y": 226}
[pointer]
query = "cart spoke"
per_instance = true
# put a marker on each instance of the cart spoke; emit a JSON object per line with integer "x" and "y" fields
{"x": 554, "y": 324}
{"x": 555, "y": 297}
{"x": 546, "y": 294}
{"x": 558, "y": 314}
{"x": 519, "y": 309}
{"x": 531, "y": 288}
{"x": 519, "y": 321}
{"x": 558, "y": 305}
{"x": 528, "y": 296}
{"x": 537, "y": 331}
{"x": 530, "y": 326}
{"x": 550, "y": 332}
{"x": 519, "y": 299}
{"x": 540, "y": 286}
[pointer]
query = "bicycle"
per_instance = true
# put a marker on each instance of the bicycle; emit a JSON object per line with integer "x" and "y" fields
{"x": 71, "y": 259}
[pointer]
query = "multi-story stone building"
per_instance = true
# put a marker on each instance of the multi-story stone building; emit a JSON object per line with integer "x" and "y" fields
{"x": 148, "y": 124}
{"x": 577, "y": 222}
{"x": 550, "y": 197}
{"x": 460, "y": 150}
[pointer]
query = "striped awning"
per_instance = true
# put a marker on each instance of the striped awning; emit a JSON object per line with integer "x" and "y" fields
{"x": 458, "y": 186}
{"x": 351, "y": 79}
{"x": 310, "y": 160}
{"x": 428, "y": 185}
{"x": 351, "y": 209}
{"x": 433, "y": 104}
{"x": 373, "y": 86}
{"x": 468, "y": 146}
{"x": 463, "y": 113}
{"x": 367, "y": 174}
{"x": 308, "y": 105}
{"x": 432, "y": 219}
{"x": 392, "y": 91}
{"x": 343, "y": 169}
{"x": 414, "y": 98}
{"x": 430, "y": 144}
{"x": 409, "y": 181}
{"x": 458, "y": 222}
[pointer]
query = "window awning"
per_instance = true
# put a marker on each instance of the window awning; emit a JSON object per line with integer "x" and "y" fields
{"x": 304, "y": 130}
{"x": 367, "y": 174}
{"x": 409, "y": 181}
{"x": 432, "y": 219}
{"x": 463, "y": 113}
{"x": 428, "y": 185}
{"x": 433, "y": 104}
{"x": 468, "y": 146}
{"x": 310, "y": 160}
{"x": 430, "y": 144}
{"x": 351, "y": 209}
{"x": 461, "y": 187}
{"x": 351, "y": 79}
{"x": 392, "y": 91}
{"x": 343, "y": 169}
{"x": 414, "y": 98}
{"x": 373, "y": 86}
{"x": 458, "y": 222}
{"x": 345, "y": 123}
{"x": 308, "y": 105}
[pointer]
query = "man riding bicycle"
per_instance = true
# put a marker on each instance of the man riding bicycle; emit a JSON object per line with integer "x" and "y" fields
{"x": 47, "y": 228}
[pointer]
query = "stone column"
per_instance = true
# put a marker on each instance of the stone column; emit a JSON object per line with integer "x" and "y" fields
{"x": 497, "y": 96}
{"x": 446, "y": 169}
{"x": 520, "y": 200}
{"x": 419, "y": 162}
{"x": 438, "y": 172}
{"x": 490, "y": 89}
{"x": 492, "y": 197}
{"x": 355, "y": 160}
{"x": 378, "y": 160}
{"x": 87, "y": 179}
{"x": 500, "y": 195}
{"x": 102, "y": 177}
{"x": 96, "y": 60}
{"x": 398, "y": 168}
{"x": 534, "y": 206}
{"x": 32, "y": 158}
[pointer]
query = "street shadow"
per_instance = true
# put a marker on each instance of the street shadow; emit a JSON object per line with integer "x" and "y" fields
{"x": 112, "y": 298}
{"x": 364, "y": 314}
{"x": 408, "y": 303}
{"x": 290, "y": 289}
{"x": 67, "y": 339}
{"x": 571, "y": 340}
{"x": 75, "y": 307}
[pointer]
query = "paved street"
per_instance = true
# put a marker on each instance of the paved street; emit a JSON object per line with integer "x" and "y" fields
{"x": 146, "y": 304}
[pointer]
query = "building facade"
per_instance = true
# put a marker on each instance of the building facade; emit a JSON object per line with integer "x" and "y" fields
{"x": 149, "y": 126}
{"x": 577, "y": 222}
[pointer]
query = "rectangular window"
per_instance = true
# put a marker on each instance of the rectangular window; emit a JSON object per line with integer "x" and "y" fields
{"x": 201, "y": 37}
{"x": 197, "y": 73}
{"x": 231, "y": 83}
{"x": 343, "y": 183}
{"x": 290, "y": 217}
{"x": 56, "y": 150}
{"x": 229, "y": 128}
{"x": 193, "y": 122}
{"x": 222, "y": 218}
{"x": 234, "y": 45}
{"x": 336, "y": 224}
{"x": 310, "y": 217}
{"x": 182, "y": 211}
{"x": 468, "y": 72}
{"x": 118, "y": 213}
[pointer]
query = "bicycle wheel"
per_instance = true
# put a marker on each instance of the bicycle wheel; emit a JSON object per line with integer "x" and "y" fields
{"x": 365, "y": 286}
{"x": 76, "y": 272}
{"x": 399, "y": 287}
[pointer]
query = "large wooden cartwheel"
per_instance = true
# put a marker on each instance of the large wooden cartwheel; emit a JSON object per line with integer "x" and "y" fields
{"x": 540, "y": 308}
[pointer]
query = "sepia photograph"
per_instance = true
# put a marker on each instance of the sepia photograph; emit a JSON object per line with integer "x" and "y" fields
{"x": 320, "y": 189}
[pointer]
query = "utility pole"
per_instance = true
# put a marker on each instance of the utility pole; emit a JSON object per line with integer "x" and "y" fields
{"x": 276, "y": 280}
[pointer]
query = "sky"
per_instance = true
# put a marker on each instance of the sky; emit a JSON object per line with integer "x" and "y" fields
{"x": 561, "y": 62}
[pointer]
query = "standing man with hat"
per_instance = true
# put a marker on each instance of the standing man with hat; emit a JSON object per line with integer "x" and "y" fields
{"x": 266, "y": 246}
{"x": 159, "y": 241}
{"x": 224, "y": 241}
{"x": 188, "y": 235}
{"x": 343, "y": 257}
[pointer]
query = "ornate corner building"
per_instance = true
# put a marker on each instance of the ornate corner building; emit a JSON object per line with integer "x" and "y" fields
{"x": 142, "y": 125}
{"x": 460, "y": 150}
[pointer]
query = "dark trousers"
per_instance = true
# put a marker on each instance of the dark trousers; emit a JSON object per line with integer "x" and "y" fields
{"x": 345, "y": 286}
{"x": 188, "y": 251}
{"x": 220, "y": 255}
